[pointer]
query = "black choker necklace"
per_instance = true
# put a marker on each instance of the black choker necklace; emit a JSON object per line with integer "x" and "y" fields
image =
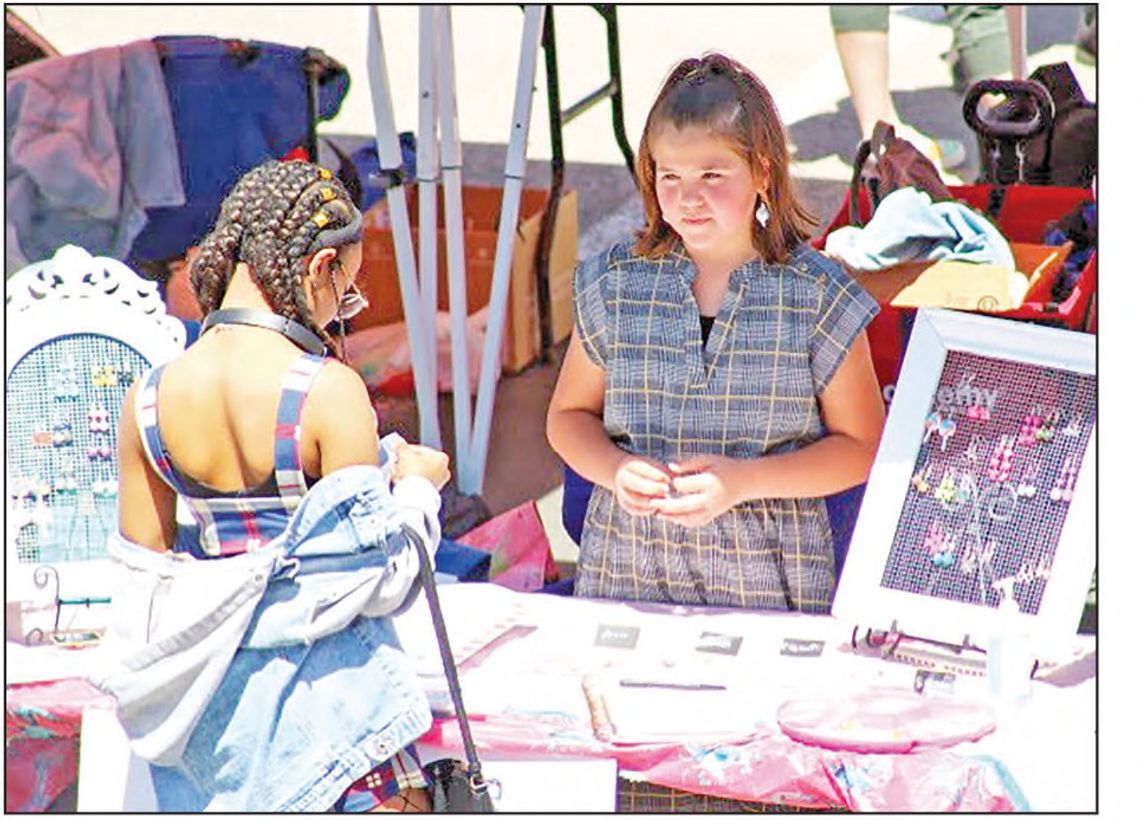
{"x": 295, "y": 332}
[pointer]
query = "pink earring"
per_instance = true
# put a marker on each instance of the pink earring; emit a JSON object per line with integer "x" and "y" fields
{"x": 1001, "y": 461}
{"x": 1029, "y": 427}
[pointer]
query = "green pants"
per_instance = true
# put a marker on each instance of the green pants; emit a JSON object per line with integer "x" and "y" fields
{"x": 981, "y": 36}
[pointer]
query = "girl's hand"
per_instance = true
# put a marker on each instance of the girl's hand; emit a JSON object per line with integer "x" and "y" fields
{"x": 638, "y": 484}
{"x": 703, "y": 488}
{"x": 417, "y": 459}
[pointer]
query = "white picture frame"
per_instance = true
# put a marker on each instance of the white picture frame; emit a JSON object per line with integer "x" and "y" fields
{"x": 864, "y": 596}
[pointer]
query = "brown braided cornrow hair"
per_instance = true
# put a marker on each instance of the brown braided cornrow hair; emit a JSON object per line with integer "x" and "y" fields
{"x": 269, "y": 221}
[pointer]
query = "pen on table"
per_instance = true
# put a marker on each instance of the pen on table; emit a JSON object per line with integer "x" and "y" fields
{"x": 653, "y": 684}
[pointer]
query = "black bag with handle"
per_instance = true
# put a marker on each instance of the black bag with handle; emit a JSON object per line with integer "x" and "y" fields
{"x": 1044, "y": 133}
{"x": 457, "y": 787}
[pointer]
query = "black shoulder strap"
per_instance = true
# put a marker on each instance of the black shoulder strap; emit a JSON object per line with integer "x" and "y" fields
{"x": 427, "y": 578}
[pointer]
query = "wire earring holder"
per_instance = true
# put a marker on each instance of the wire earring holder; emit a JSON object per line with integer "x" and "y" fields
{"x": 42, "y": 576}
{"x": 961, "y": 658}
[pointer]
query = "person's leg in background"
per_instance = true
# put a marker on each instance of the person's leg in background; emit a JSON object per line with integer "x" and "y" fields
{"x": 1086, "y": 36}
{"x": 980, "y": 48}
{"x": 861, "y": 34}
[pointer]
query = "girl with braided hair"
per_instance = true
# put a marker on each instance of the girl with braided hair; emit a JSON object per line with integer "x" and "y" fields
{"x": 260, "y": 433}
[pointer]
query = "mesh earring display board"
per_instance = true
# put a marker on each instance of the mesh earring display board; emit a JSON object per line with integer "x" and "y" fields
{"x": 1002, "y": 444}
{"x": 63, "y": 405}
{"x": 983, "y": 484}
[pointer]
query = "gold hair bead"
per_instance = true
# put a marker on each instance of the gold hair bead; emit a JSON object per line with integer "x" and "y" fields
{"x": 321, "y": 218}
{"x": 328, "y": 194}
{"x": 325, "y": 173}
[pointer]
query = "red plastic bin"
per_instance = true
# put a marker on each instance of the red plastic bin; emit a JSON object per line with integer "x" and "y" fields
{"x": 1025, "y": 211}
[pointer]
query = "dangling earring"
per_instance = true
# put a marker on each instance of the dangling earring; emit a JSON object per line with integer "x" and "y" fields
{"x": 763, "y": 214}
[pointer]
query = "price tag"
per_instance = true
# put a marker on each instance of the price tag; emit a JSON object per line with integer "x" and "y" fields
{"x": 719, "y": 643}
{"x": 617, "y": 636}
{"x": 801, "y": 648}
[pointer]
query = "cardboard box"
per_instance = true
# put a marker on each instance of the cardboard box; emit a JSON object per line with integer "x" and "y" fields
{"x": 966, "y": 285}
{"x": 481, "y": 205}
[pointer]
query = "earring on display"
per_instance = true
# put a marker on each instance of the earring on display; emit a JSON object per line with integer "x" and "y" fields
{"x": 66, "y": 386}
{"x": 98, "y": 420}
{"x": 67, "y": 483}
{"x": 946, "y": 487}
{"x": 1026, "y": 488}
{"x": 946, "y": 428}
{"x": 105, "y": 489}
{"x": 1030, "y": 424}
{"x": 61, "y": 432}
{"x": 1001, "y": 462}
{"x": 921, "y": 480}
{"x": 931, "y": 425}
{"x": 1045, "y": 431}
{"x": 1066, "y": 479}
{"x": 1073, "y": 428}
{"x": 978, "y": 412}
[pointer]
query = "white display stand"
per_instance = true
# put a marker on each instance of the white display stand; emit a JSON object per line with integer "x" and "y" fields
{"x": 1001, "y": 371}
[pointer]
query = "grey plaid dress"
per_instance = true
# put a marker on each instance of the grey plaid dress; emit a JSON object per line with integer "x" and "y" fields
{"x": 780, "y": 335}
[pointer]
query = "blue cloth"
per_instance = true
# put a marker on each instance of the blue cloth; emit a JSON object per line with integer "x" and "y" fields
{"x": 230, "y": 115}
{"x": 465, "y": 563}
{"x": 272, "y": 680}
{"x": 907, "y": 226}
{"x": 366, "y": 159}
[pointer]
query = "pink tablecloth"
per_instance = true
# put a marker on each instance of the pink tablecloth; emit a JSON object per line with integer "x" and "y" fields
{"x": 767, "y": 768}
{"x": 41, "y": 740}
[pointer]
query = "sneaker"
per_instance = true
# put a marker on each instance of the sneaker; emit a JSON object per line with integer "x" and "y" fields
{"x": 947, "y": 153}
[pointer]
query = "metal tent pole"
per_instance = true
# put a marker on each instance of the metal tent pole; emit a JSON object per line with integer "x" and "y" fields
{"x": 451, "y": 164}
{"x": 388, "y": 148}
{"x": 471, "y": 480}
{"x": 427, "y": 178}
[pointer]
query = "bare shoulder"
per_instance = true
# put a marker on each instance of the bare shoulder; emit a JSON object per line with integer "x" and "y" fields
{"x": 340, "y": 391}
{"x": 339, "y": 381}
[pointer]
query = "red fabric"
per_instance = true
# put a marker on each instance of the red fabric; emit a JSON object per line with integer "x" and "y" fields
{"x": 41, "y": 740}
{"x": 1025, "y": 211}
{"x": 521, "y": 558}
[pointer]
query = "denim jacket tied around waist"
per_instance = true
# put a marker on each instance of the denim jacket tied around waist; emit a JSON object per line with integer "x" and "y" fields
{"x": 271, "y": 680}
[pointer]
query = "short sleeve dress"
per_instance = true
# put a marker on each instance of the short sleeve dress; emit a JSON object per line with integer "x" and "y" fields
{"x": 780, "y": 335}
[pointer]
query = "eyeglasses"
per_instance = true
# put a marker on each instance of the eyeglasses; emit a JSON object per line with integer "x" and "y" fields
{"x": 351, "y": 302}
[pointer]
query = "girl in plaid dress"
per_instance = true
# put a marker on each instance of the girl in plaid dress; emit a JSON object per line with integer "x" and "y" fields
{"x": 244, "y": 422}
{"x": 718, "y": 382}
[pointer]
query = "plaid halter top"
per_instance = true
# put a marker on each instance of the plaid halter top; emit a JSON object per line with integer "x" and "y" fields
{"x": 243, "y": 520}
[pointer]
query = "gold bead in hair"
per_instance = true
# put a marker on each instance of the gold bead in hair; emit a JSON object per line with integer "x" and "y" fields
{"x": 325, "y": 173}
{"x": 321, "y": 219}
{"x": 328, "y": 194}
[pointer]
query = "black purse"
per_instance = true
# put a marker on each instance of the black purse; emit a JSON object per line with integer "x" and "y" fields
{"x": 457, "y": 787}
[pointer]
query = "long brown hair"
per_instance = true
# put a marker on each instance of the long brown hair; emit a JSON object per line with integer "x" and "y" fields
{"x": 718, "y": 93}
